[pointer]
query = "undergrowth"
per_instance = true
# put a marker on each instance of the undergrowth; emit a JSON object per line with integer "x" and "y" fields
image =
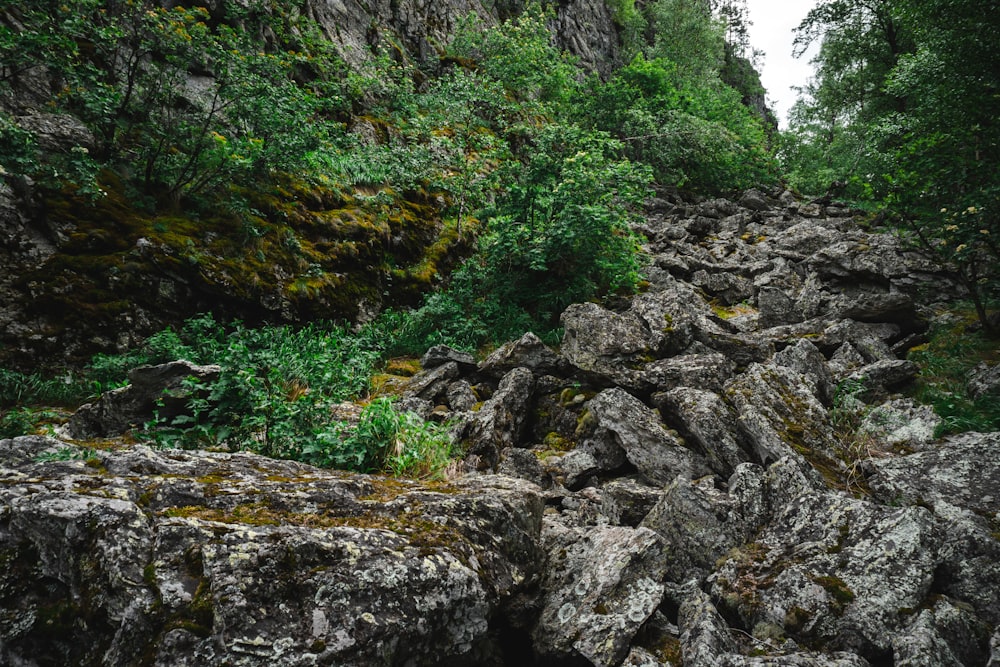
{"x": 945, "y": 364}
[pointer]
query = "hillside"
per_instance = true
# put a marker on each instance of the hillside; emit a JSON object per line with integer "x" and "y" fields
{"x": 478, "y": 333}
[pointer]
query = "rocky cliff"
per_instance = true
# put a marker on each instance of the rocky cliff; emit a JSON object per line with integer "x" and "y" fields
{"x": 585, "y": 28}
{"x": 718, "y": 471}
{"x": 86, "y": 275}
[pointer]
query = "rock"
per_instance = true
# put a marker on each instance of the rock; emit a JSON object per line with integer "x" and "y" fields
{"x": 501, "y": 421}
{"x": 755, "y": 200}
{"x": 603, "y": 343}
{"x": 527, "y": 352}
{"x": 640, "y": 657}
{"x": 600, "y": 587}
{"x": 994, "y": 649}
{"x": 984, "y": 380}
{"x": 729, "y": 288}
{"x": 795, "y": 659}
{"x": 431, "y": 385}
{"x": 740, "y": 349}
{"x": 750, "y": 507}
{"x": 845, "y": 361}
{"x": 460, "y": 396}
{"x": 627, "y": 501}
{"x": 944, "y": 636}
{"x": 657, "y": 454}
{"x": 963, "y": 470}
{"x": 692, "y": 519}
{"x": 708, "y": 425}
{"x": 834, "y": 571}
{"x": 806, "y": 237}
{"x": 894, "y": 308}
{"x": 57, "y": 132}
{"x": 900, "y": 423}
{"x": 141, "y": 557}
{"x": 522, "y": 463}
{"x": 702, "y": 371}
{"x": 704, "y": 634}
{"x": 805, "y": 358}
{"x": 573, "y": 469}
{"x": 780, "y": 416}
{"x": 884, "y": 375}
{"x": 439, "y": 355}
{"x": 777, "y": 307}
{"x": 164, "y": 389}
{"x": 969, "y": 559}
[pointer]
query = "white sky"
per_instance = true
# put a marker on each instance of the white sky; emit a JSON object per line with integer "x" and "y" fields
{"x": 773, "y": 23}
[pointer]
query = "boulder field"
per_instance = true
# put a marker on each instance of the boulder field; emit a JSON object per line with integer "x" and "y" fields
{"x": 717, "y": 471}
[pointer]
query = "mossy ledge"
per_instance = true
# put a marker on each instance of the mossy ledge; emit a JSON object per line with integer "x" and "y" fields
{"x": 291, "y": 251}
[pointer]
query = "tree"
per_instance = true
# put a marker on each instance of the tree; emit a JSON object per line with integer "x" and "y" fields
{"x": 688, "y": 35}
{"x": 943, "y": 150}
{"x": 904, "y": 108}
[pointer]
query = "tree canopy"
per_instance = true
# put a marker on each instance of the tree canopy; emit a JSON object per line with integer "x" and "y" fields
{"x": 903, "y": 115}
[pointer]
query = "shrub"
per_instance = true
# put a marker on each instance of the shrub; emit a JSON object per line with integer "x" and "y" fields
{"x": 559, "y": 234}
{"x": 945, "y": 363}
{"x": 384, "y": 440}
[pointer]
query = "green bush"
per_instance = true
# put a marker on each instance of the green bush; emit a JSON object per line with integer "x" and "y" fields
{"x": 945, "y": 363}
{"x": 559, "y": 234}
{"x": 384, "y": 440}
{"x": 276, "y": 386}
{"x": 694, "y": 133}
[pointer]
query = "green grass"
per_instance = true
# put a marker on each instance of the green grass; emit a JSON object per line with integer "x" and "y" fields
{"x": 945, "y": 363}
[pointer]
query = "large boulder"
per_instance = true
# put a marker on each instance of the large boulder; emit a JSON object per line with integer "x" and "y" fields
{"x": 708, "y": 424}
{"x": 692, "y": 519}
{"x": 192, "y": 558}
{"x": 162, "y": 390}
{"x": 501, "y": 421}
{"x": 600, "y": 587}
{"x": 834, "y": 571}
{"x": 658, "y": 454}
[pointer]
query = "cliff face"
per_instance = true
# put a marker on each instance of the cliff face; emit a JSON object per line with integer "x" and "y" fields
{"x": 585, "y": 28}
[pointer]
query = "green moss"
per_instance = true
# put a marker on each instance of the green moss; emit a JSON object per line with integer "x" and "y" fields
{"x": 403, "y": 366}
{"x": 319, "y": 251}
{"x": 837, "y": 589}
{"x": 555, "y": 442}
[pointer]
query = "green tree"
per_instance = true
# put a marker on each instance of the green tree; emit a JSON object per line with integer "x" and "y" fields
{"x": 695, "y": 134}
{"x": 686, "y": 33}
{"x": 904, "y": 110}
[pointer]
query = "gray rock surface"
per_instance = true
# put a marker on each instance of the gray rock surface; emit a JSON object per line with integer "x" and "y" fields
{"x": 836, "y": 570}
{"x": 984, "y": 380}
{"x": 962, "y": 470}
{"x": 137, "y": 556}
{"x": 501, "y": 420}
{"x": 709, "y": 425}
{"x": 600, "y": 587}
{"x": 657, "y": 454}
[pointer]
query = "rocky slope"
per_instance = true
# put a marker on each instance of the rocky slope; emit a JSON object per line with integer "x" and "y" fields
{"x": 82, "y": 276}
{"x": 715, "y": 472}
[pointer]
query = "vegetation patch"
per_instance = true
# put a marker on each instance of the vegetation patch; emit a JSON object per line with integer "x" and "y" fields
{"x": 945, "y": 363}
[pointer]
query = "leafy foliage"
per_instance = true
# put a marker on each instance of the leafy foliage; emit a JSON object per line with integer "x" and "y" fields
{"x": 695, "y": 133}
{"x": 903, "y": 114}
{"x": 945, "y": 363}
{"x": 558, "y": 235}
{"x": 125, "y": 69}
{"x": 277, "y": 392}
{"x": 384, "y": 440}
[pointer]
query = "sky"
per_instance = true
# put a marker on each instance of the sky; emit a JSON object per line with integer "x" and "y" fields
{"x": 773, "y": 23}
